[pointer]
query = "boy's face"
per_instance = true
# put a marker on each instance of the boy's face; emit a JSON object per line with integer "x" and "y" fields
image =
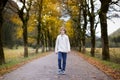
{"x": 62, "y": 31}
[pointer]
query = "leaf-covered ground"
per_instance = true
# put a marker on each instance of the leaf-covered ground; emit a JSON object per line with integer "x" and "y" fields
{"x": 106, "y": 69}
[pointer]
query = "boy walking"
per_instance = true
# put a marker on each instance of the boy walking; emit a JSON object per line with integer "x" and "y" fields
{"x": 62, "y": 47}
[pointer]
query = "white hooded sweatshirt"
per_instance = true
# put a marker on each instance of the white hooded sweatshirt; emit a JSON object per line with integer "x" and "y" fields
{"x": 62, "y": 44}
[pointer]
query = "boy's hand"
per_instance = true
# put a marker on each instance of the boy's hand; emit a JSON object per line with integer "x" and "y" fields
{"x": 68, "y": 52}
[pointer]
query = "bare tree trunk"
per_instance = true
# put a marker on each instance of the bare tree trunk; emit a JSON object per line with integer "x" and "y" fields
{"x": 2, "y": 57}
{"x": 79, "y": 28}
{"x": 2, "y": 5}
{"x": 84, "y": 28}
{"x": 25, "y": 39}
{"x": 104, "y": 34}
{"x": 46, "y": 42}
{"x": 84, "y": 12}
{"x": 43, "y": 43}
{"x": 49, "y": 41}
{"x": 38, "y": 38}
{"x": 92, "y": 42}
{"x": 92, "y": 29}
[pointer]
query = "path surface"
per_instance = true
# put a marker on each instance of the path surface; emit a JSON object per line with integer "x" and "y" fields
{"x": 46, "y": 69}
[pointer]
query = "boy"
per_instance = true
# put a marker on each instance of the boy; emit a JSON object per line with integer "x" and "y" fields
{"x": 62, "y": 47}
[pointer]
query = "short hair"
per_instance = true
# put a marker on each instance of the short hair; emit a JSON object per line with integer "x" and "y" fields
{"x": 63, "y": 28}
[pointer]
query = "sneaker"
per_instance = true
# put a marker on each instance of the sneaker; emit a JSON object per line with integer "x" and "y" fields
{"x": 59, "y": 71}
{"x": 63, "y": 72}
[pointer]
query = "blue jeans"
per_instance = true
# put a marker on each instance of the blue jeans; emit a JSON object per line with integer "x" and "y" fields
{"x": 62, "y": 56}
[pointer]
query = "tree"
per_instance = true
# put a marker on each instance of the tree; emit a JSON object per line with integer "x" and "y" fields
{"x": 38, "y": 14}
{"x": 50, "y": 23}
{"x": 2, "y": 5}
{"x": 79, "y": 25}
{"x": 92, "y": 27}
{"x": 9, "y": 29}
{"x": 84, "y": 11}
{"x": 24, "y": 16}
{"x": 103, "y": 22}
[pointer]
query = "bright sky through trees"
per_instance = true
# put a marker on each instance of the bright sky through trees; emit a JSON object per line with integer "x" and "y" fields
{"x": 113, "y": 24}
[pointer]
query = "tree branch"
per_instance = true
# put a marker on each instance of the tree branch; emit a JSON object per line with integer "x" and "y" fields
{"x": 12, "y": 6}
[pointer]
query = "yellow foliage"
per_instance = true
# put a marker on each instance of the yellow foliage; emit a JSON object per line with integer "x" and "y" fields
{"x": 52, "y": 24}
{"x": 31, "y": 40}
{"x": 50, "y": 7}
{"x": 32, "y": 23}
{"x": 69, "y": 28}
{"x": 19, "y": 33}
{"x": 16, "y": 20}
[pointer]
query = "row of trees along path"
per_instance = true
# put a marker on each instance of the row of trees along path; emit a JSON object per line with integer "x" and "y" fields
{"x": 83, "y": 7}
{"x": 45, "y": 68}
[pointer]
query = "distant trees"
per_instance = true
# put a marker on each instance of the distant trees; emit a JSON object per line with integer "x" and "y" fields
{"x": 114, "y": 39}
{"x": 8, "y": 33}
{"x": 9, "y": 27}
{"x": 39, "y": 21}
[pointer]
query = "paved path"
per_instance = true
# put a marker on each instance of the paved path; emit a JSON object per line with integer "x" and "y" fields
{"x": 46, "y": 69}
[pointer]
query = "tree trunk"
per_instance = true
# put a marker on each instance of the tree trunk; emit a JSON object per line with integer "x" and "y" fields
{"x": 38, "y": 37}
{"x": 84, "y": 30}
{"x": 46, "y": 42}
{"x": 2, "y": 5}
{"x": 39, "y": 25}
{"x": 49, "y": 41}
{"x": 25, "y": 39}
{"x": 92, "y": 29}
{"x": 84, "y": 12}
{"x": 2, "y": 57}
{"x": 92, "y": 41}
{"x": 104, "y": 34}
{"x": 79, "y": 28}
{"x": 43, "y": 43}
{"x": 24, "y": 18}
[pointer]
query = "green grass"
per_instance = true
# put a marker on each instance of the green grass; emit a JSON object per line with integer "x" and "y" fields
{"x": 14, "y": 58}
{"x": 112, "y": 65}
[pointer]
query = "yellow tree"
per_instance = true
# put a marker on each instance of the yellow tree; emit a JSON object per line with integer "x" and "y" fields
{"x": 50, "y": 14}
{"x": 69, "y": 27}
{"x": 38, "y": 4}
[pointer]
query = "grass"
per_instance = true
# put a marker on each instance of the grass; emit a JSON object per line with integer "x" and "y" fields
{"x": 110, "y": 68}
{"x": 113, "y": 65}
{"x": 114, "y": 62}
{"x": 15, "y": 58}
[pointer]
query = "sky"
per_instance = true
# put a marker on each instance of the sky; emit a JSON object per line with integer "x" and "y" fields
{"x": 112, "y": 26}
